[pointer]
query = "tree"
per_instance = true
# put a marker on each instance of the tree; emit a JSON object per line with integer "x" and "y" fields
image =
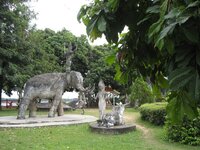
{"x": 178, "y": 35}
{"x": 110, "y": 18}
{"x": 14, "y": 27}
{"x": 100, "y": 69}
{"x": 80, "y": 61}
{"x": 162, "y": 41}
{"x": 140, "y": 93}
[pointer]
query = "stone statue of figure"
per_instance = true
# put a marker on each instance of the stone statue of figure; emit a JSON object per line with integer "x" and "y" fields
{"x": 101, "y": 95}
{"x": 114, "y": 118}
{"x": 69, "y": 54}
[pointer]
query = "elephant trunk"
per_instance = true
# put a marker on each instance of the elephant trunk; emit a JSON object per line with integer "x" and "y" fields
{"x": 81, "y": 88}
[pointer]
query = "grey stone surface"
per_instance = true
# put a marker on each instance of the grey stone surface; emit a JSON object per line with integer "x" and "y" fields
{"x": 114, "y": 118}
{"x": 101, "y": 95}
{"x": 48, "y": 86}
{"x": 112, "y": 130}
{"x": 42, "y": 120}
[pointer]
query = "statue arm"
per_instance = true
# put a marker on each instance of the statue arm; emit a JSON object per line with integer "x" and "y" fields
{"x": 96, "y": 97}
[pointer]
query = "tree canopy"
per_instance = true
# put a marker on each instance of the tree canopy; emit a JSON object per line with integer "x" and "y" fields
{"x": 14, "y": 27}
{"x": 162, "y": 42}
{"x": 27, "y": 51}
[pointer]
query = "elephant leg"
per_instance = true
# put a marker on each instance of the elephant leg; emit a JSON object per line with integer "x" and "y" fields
{"x": 22, "y": 108}
{"x": 54, "y": 106}
{"x": 82, "y": 102}
{"x": 32, "y": 109}
{"x": 83, "y": 111}
{"x": 60, "y": 109}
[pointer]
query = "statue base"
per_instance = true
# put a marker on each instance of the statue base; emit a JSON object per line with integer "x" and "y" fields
{"x": 43, "y": 120}
{"x": 120, "y": 129}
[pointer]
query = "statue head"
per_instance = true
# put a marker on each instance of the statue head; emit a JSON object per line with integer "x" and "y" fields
{"x": 101, "y": 85}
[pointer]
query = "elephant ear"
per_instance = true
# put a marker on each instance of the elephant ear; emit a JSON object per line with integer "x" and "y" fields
{"x": 57, "y": 83}
{"x": 76, "y": 80}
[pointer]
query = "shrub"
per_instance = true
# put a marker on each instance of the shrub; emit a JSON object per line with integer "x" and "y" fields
{"x": 154, "y": 112}
{"x": 188, "y": 132}
{"x": 140, "y": 93}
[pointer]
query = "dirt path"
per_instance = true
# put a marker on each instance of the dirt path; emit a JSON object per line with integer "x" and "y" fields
{"x": 132, "y": 119}
{"x": 148, "y": 134}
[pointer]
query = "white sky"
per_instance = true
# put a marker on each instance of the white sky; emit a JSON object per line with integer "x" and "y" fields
{"x": 59, "y": 14}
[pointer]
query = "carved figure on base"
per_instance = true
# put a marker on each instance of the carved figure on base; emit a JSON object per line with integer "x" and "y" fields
{"x": 115, "y": 117}
{"x": 101, "y": 95}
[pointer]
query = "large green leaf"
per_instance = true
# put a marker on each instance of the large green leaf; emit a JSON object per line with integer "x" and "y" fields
{"x": 194, "y": 4}
{"x": 101, "y": 24}
{"x": 180, "y": 77}
{"x": 180, "y": 104}
{"x": 167, "y": 30}
{"x": 156, "y": 91}
{"x": 169, "y": 43}
{"x": 143, "y": 20}
{"x": 164, "y": 8}
{"x": 113, "y": 4}
{"x": 191, "y": 35}
{"x": 162, "y": 81}
{"x": 198, "y": 57}
{"x": 173, "y": 13}
{"x": 182, "y": 19}
{"x": 81, "y": 13}
{"x": 186, "y": 61}
{"x": 197, "y": 87}
{"x": 111, "y": 59}
{"x": 154, "y": 29}
{"x": 160, "y": 44}
{"x": 180, "y": 56}
{"x": 118, "y": 72}
{"x": 181, "y": 82}
{"x": 92, "y": 24}
{"x": 92, "y": 29}
{"x": 153, "y": 9}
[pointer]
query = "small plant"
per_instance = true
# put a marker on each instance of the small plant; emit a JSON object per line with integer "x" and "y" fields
{"x": 188, "y": 132}
{"x": 154, "y": 113}
{"x": 140, "y": 93}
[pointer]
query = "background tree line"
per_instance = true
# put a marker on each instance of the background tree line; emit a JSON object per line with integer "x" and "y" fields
{"x": 26, "y": 51}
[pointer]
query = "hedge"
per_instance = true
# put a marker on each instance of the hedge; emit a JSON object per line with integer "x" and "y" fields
{"x": 154, "y": 113}
{"x": 188, "y": 132}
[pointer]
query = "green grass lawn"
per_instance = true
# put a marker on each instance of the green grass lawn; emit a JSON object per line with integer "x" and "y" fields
{"x": 79, "y": 137}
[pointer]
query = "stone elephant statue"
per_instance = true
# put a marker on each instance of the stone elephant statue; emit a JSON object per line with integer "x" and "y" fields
{"x": 48, "y": 86}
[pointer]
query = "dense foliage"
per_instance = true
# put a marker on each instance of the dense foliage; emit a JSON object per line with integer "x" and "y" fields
{"x": 188, "y": 132}
{"x": 14, "y": 28}
{"x": 154, "y": 112}
{"x": 162, "y": 42}
{"x": 26, "y": 51}
{"x": 140, "y": 93}
{"x": 176, "y": 34}
{"x": 99, "y": 69}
